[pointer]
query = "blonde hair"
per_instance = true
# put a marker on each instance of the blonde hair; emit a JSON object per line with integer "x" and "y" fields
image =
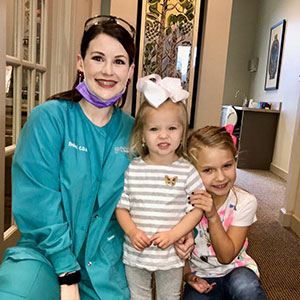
{"x": 136, "y": 145}
{"x": 209, "y": 136}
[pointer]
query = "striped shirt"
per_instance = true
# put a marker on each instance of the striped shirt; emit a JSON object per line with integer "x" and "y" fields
{"x": 156, "y": 198}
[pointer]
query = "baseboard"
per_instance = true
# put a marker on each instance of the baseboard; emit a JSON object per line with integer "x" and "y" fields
{"x": 279, "y": 172}
{"x": 295, "y": 224}
{"x": 289, "y": 220}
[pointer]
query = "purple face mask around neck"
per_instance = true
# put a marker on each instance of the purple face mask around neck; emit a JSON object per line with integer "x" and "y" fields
{"x": 89, "y": 96}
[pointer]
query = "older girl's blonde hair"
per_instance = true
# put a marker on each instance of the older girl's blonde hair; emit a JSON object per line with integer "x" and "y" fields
{"x": 209, "y": 136}
{"x": 136, "y": 145}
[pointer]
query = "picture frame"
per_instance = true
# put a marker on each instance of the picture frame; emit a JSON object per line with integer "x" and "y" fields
{"x": 168, "y": 42}
{"x": 274, "y": 55}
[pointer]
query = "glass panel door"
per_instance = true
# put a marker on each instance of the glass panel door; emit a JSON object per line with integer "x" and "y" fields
{"x": 23, "y": 57}
{"x": 27, "y": 43}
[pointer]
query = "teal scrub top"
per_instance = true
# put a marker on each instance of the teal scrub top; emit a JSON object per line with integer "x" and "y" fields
{"x": 67, "y": 177}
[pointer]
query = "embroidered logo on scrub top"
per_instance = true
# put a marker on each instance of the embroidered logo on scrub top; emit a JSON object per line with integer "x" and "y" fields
{"x": 121, "y": 149}
{"x": 80, "y": 148}
{"x": 170, "y": 181}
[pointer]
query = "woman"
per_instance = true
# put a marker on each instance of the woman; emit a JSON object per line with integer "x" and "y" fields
{"x": 67, "y": 178}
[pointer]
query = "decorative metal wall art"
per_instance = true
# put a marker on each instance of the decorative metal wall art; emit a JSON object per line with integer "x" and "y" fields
{"x": 169, "y": 42}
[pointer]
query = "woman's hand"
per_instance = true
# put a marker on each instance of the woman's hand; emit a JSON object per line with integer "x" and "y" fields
{"x": 185, "y": 246}
{"x": 199, "y": 284}
{"x": 203, "y": 200}
{"x": 69, "y": 292}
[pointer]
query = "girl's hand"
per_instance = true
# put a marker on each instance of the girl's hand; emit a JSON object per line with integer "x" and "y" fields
{"x": 203, "y": 200}
{"x": 162, "y": 239}
{"x": 199, "y": 284}
{"x": 69, "y": 292}
{"x": 139, "y": 239}
{"x": 185, "y": 246}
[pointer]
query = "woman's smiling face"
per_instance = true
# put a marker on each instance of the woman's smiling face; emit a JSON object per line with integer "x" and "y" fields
{"x": 106, "y": 66}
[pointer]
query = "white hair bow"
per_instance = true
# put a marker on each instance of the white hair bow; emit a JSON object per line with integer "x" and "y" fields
{"x": 157, "y": 91}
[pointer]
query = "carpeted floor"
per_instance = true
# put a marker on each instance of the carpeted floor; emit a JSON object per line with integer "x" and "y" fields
{"x": 275, "y": 249}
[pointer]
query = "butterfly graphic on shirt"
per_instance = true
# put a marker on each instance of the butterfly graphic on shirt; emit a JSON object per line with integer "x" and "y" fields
{"x": 171, "y": 181}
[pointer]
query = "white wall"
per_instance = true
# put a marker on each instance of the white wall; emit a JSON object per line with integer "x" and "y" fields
{"x": 241, "y": 43}
{"x": 290, "y": 213}
{"x": 270, "y": 13}
{"x": 60, "y": 45}
{"x": 213, "y": 63}
{"x": 126, "y": 10}
{"x": 65, "y": 30}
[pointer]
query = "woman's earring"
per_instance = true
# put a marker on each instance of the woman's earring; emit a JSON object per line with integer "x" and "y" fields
{"x": 128, "y": 81}
{"x": 80, "y": 76}
{"x": 143, "y": 143}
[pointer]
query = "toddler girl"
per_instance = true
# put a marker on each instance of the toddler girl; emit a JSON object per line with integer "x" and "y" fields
{"x": 153, "y": 209}
{"x": 219, "y": 267}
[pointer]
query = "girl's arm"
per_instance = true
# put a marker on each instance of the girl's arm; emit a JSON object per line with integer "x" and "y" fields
{"x": 138, "y": 238}
{"x": 226, "y": 244}
{"x": 166, "y": 238}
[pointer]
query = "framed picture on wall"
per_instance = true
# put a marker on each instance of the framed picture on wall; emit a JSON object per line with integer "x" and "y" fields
{"x": 274, "y": 56}
{"x": 168, "y": 42}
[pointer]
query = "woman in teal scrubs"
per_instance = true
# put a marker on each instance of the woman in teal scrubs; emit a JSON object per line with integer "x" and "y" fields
{"x": 67, "y": 177}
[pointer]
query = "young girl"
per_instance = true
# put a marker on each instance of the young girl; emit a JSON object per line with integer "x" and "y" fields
{"x": 219, "y": 267}
{"x": 152, "y": 209}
